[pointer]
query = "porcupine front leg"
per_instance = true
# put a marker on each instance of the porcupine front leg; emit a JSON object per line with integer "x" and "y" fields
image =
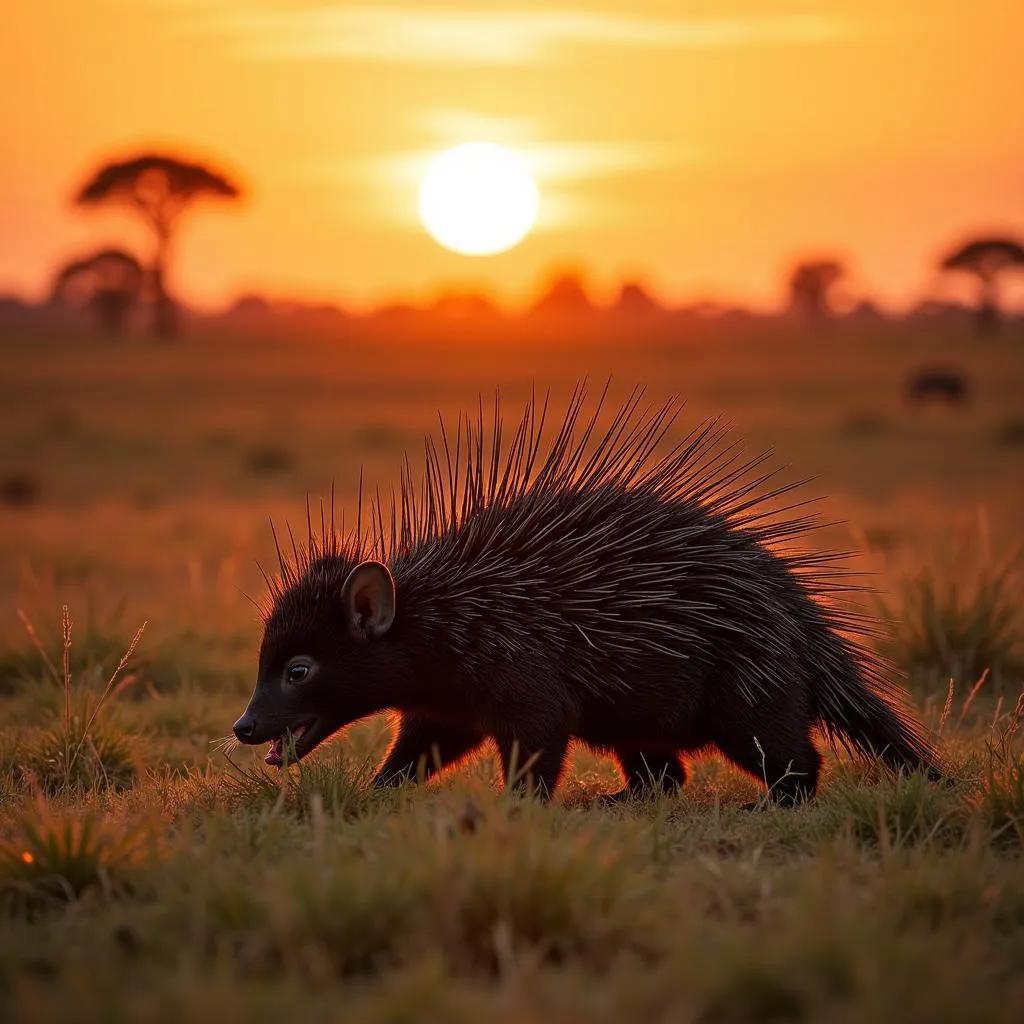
{"x": 534, "y": 760}
{"x": 646, "y": 772}
{"x": 422, "y": 740}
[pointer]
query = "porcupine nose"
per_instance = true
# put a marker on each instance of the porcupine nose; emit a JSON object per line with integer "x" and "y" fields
{"x": 245, "y": 727}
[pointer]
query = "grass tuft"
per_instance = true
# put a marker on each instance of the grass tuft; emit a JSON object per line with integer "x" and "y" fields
{"x": 189, "y": 657}
{"x": 961, "y": 625}
{"x": 900, "y": 811}
{"x": 79, "y": 756}
{"x": 51, "y": 857}
{"x": 1001, "y": 797}
{"x": 81, "y": 751}
{"x": 340, "y": 787}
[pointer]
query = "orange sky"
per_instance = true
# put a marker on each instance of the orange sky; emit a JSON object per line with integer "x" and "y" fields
{"x": 700, "y": 145}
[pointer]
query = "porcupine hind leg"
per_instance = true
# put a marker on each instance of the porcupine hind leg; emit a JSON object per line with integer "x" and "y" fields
{"x": 427, "y": 742}
{"x": 649, "y": 772}
{"x": 765, "y": 727}
{"x": 786, "y": 761}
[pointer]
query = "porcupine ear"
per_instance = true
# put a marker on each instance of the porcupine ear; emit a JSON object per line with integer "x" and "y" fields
{"x": 369, "y": 596}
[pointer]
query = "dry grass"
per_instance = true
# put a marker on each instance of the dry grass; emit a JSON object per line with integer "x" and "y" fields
{"x": 881, "y": 900}
{"x": 147, "y": 874}
{"x": 81, "y": 751}
{"x": 961, "y": 622}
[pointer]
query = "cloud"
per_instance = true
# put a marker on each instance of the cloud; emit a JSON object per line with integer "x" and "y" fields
{"x": 417, "y": 34}
{"x": 576, "y": 161}
{"x": 549, "y": 161}
{"x": 559, "y": 167}
{"x": 552, "y": 163}
{"x": 449, "y": 125}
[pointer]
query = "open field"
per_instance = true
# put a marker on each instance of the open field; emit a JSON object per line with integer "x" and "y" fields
{"x": 167, "y": 882}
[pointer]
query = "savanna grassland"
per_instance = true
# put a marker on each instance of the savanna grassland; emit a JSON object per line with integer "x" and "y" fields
{"x": 148, "y": 873}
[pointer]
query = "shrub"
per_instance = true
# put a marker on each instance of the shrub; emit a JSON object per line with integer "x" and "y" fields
{"x": 958, "y": 625}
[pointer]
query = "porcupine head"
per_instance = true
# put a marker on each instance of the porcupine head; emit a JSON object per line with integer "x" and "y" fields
{"x": 325, "y": 658}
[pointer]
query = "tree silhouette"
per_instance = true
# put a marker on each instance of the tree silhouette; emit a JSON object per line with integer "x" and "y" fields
{"x": 986, "y": 259}
{"x": 109, "y": 282}
{"x": 158, "y": 187}
{"x": 565, "y": 295}
{"x": 810, "y": 287}
{"x": 635, "y": 301}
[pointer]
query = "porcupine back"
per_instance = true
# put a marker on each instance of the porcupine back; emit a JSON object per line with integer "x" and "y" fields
{"x": 602, "y": 552}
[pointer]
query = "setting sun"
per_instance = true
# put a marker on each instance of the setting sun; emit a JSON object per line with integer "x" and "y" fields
{"x": 478, "y": 199}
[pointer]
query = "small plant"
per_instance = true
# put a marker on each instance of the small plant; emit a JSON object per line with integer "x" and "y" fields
{"x": 56, "y": 856}
{"x": 82, "y": 751}
{"x": 69, "y": 757}
{"x": 1001, "y": 799}
{"x": 96, "y": 650}
{"x": 960, "y": 625}
{"x": 905, "y": 811}
{"x": 340, "y": 787}
{"x": 187, "y": 655}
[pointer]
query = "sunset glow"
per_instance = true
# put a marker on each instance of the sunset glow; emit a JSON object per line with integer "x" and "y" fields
{"x": 700, "y": 147}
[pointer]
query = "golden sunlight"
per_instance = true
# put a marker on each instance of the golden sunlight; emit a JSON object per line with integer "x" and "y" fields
{"x": 478, "y": 199}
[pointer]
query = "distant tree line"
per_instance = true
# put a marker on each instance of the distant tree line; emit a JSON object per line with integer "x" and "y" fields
{"x": 812, "y": 283}
{"x": 111, "y": 282}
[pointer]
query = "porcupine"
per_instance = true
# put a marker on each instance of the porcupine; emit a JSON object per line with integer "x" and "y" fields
{"x": 586, "y": 588}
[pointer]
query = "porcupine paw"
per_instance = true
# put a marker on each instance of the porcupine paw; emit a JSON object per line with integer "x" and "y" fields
{"x": 647, "y": 775}
{"x": 788, "y": 792}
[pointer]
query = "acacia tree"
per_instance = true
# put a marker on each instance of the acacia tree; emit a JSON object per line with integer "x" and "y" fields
{"x": 160, "y": 188}
{"x": 986, "y": 259}
{"x": 109, "y": 282}
{"x": 811, "y": 284}
{"x": 566, "y": 295}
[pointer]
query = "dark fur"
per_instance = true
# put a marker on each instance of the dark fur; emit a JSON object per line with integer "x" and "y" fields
{"x": 592, "y": 590}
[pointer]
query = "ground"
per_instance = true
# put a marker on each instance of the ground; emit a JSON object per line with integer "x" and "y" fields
{"x": 146, "y": 871}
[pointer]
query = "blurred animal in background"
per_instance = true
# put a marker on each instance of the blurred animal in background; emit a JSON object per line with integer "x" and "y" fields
{"x": 937, "y": 384}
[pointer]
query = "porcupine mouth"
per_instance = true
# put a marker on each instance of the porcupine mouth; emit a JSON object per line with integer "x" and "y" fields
{"x": 305, "y": 736}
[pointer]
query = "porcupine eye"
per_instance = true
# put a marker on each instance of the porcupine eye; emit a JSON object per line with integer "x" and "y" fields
{"x": 298, "y": 671}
